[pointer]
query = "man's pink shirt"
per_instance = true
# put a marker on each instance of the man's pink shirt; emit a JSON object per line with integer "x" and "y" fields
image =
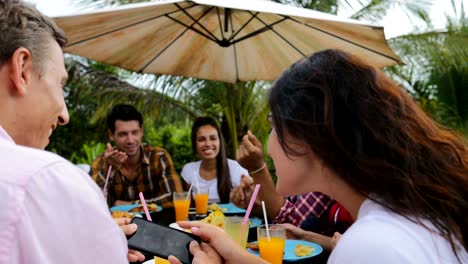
{"x": 52, "y": 212}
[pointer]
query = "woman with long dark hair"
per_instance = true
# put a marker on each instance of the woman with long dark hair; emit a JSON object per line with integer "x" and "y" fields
{"x": 369, "y": 146}
{"x": 213, "y": 170}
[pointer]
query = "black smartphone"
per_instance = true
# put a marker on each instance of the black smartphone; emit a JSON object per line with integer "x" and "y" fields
{"x": 161, "y": 241}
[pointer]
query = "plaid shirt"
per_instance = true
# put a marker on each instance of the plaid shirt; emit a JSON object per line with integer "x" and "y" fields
{"x": 297, "y": 208}
{"x": 156, "y": 178}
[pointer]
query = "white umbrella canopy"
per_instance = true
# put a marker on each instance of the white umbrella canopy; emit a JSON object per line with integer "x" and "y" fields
{"x": 228, "y": 40}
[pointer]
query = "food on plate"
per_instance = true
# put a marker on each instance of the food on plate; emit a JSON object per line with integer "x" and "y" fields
{"x": 139, "y": 209}
{"x": 253, "y": 246}
{"x": 215, "y": 218}
{"x": 120, "y": 214}
{"x": 303, "y": 250}
{"x": 215, "y": 207}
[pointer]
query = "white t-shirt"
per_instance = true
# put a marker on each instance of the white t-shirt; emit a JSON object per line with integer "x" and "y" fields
{"x": 192, "y": 170}
{"x": 52, "y": 212}
{"x": 380, "y": 236}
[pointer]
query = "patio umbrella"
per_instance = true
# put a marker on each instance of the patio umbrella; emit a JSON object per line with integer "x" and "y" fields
{"x": 228, "y": 40}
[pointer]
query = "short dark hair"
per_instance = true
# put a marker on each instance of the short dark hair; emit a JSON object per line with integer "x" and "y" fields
{"x": 123, "y": 112}
{"x": 222, "y": 167}
{"x": 22, "y": 25}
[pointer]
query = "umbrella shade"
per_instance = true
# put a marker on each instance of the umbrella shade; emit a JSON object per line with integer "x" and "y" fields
{"x": 228, "y": 40}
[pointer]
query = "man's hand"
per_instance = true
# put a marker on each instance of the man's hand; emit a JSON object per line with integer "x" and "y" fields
{"x": 250, "y": 152}
{"x": 114, "y": 157}
{"x": 128, "y": 229}
{"x": 241, "y": 194}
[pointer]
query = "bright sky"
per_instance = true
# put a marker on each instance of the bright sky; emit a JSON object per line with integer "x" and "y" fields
{"x": 396, "y": 23}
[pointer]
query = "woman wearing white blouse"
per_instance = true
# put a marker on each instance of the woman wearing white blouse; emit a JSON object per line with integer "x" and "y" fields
{"x": 213, "y": 170}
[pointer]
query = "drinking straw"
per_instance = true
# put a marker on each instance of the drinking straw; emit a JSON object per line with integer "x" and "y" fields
{"x": 252, "y": 201}
{"x": 266, "y": 220}
{"x": 107, "y": 178}
{"x": 188, "y": 193}
{"x": 196, "y": 184}
{"x": 143, "y": 202}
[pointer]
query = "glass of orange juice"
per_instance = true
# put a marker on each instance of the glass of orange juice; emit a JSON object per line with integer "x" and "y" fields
{"x": 200, "y": 195}
{"x": 181, "y": 205}
{"x": 272, "y": 248}
{"x": 238, "y": 232}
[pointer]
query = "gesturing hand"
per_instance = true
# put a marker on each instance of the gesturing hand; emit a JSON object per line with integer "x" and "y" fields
{"x": 114, "y": 157}
{"x": 241, "y": 194}
{"x": 250, "y": 153}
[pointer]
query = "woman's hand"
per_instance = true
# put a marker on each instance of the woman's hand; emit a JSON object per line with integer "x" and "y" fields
{"x": 335, "y": 239}
{"x": 241, "y": 194}
{"x": 203, "y": 254}
{"x": 217, "y": 243}
{"x": 293, "y": 232}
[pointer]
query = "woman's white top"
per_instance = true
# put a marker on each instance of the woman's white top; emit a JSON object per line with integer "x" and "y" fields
{"x": 381, "y": 236}
{"x": 191, "y": 173}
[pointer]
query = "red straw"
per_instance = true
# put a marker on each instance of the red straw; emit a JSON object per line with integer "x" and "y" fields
{"x": 143, "y": 202}
{"x": 252, "y": 201}
{"x": 107, "y": 178}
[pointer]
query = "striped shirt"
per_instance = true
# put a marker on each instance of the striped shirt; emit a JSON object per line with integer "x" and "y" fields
{"x": 156, "y": 178}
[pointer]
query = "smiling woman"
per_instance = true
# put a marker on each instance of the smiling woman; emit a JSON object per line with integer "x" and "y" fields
{"x": 214, "y": 172}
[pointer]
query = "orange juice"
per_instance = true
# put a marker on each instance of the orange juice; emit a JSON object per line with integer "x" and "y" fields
{"x": 272, "y": 251}
{"x": 181, "y": 209}
{"x": 201, "y": 202}
{"x": 158, "y": 260}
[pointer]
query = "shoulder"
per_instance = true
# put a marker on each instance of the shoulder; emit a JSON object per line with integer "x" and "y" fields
{"x": 386, "y": 237}
{"x": 190, "y": 170}
{"x": 25, "y": 162}
{"x": 154, "y": 150}
{"x": 234, "y": 165}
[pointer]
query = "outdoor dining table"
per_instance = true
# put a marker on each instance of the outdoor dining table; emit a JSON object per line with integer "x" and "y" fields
{"x": 167, "y": 216}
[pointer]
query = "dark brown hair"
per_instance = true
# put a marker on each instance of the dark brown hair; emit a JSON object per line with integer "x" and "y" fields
{"x": 22, "y": 25}
{"x": 222, "y": 167}
{"x": 374, "y": 136}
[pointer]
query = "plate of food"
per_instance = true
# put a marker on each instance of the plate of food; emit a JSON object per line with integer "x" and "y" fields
{"x": 228, "y": 208}
{"x": 294, "y": 250}
{"x": 135, "y": 208}
{"x": 217, "y": 218}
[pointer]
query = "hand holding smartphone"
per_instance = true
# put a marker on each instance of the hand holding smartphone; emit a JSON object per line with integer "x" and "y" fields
{"x": 161, "y": 241}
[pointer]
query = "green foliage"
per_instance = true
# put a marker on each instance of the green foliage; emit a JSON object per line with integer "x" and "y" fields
{"x": 174, "y": 138}
{"x": 88, "y": 153}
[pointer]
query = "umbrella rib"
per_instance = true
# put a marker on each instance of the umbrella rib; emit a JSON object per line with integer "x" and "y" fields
{"x": 123, "y": 27}
{"x": 235, "y": 56}
{"x": 243, "y": 26}
{"x": 347, "y": 40}
{"x": 219, "y": 21}
{"x": 197, "y": 22}
{"x": 192, "y": 28}
{"x": 279, "y": 35}
{"x": 164, "y": 49}
{"x": 261, "y": 30}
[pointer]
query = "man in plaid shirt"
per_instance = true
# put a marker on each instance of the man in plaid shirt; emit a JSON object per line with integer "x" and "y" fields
{"x": 134, "y": 167}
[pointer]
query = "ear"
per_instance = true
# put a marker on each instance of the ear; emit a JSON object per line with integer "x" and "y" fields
{"x": 111, "y": 135}
{"x": 142, "y": 134}
{"x": 21, "y": 70}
